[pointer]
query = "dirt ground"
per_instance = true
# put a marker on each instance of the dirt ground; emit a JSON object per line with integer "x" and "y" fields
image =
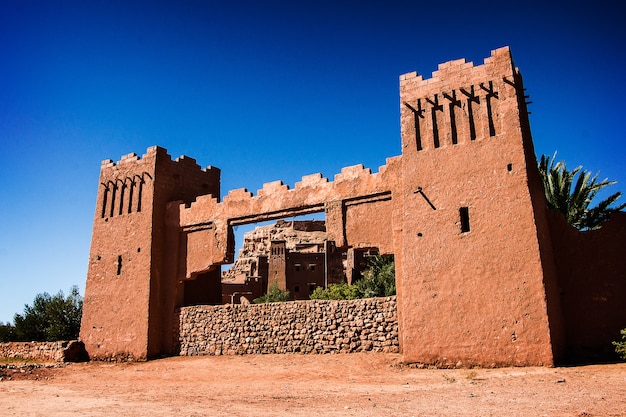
{"x": 305, "y": 385}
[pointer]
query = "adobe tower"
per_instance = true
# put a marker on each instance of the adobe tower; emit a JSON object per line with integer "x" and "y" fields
{"x": 128, "y": 293}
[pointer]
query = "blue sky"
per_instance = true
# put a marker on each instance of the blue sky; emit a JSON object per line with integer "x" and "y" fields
{"x": 264, "y": 90}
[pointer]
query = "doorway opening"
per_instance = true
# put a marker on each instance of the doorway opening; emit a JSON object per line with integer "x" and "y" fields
{"x": 291, "y": 253}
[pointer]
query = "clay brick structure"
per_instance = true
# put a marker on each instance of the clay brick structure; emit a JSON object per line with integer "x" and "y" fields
{"x": 295, "y": 255}
{"x": 485, "y": 274}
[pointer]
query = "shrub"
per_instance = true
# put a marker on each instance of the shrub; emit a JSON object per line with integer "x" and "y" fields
{"x": 341, "y": 291}
{"x": 274, "y": 295}
{"x": 379, "y": 279}
{"x": 620, "y": 346}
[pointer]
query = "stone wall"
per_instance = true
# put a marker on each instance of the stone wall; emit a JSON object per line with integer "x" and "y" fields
{"x": 315, "y": 326}
{"x": 62, "y": 351}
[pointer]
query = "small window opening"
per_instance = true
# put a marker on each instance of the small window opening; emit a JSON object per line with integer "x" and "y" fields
{"x": 113, "y": 191}
{"x": 509, "y": 167}
{"x": 312, "y": 287}
{"x": 122, "y": 192}
{"x": 119, "y": 264}
{"x": 131, "y": 190}
{"x": 464, "y": 215}
{"x": 312, "y": 267}
{"x": 104, "y": 202}
{"x": 139, "y": 194}
{"x": 296, "y": 288}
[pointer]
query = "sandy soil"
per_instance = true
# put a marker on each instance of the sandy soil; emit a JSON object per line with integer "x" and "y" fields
{"x": 305, "y": 385}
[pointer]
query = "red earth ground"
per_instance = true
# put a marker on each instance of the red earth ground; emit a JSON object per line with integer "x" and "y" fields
{"x": 304, "y": 385}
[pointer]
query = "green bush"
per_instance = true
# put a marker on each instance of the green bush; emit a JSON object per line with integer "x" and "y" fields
{"x": 379, "y": 279}
{"x": 274, "y": 295}
{"x": 341, "y": 291}
{"x": 620, "y": 346}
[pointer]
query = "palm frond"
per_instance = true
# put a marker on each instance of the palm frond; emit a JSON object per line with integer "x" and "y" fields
{"x": 572, "y": 192}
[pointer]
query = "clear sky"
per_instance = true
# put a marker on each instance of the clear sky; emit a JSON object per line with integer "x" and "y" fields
{"x": 265, "y": 90}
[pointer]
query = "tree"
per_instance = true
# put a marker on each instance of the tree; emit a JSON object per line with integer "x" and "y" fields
{"x": 50, "y": 318}
{"x": 7, "y": 332}
{"x": 571, "y": 193}
{"x": 274, "y": 295}
{"x": 341, "y": 291}
{"x": 620, "y": 345}
{"x": 379, "y": 279}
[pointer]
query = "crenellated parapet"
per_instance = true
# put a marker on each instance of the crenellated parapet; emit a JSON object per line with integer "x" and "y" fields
{"x": 276, "y": 197}
{"x": 276, "y": 200}
{"x": 123, "y": 184}
{"x": 460, "y": 103}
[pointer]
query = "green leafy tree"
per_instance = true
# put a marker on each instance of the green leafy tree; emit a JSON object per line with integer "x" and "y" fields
{"x": 379, "y": 278}
{"x": 620, "y": 346}
{"x": 50, "y": 318}
{"x": 571, "y": 193}
{"x": 7, "y": 332}
{"x": 341, "y": 291}
{"x": 274, "y": 295}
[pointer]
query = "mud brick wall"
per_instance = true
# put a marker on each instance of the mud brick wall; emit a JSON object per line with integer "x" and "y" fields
{"x": 315, "y": 326}
{"x": 62, "y": 351}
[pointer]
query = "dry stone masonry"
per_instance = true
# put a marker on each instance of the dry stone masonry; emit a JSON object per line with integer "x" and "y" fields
{"x": 61, "y": 351}
{"x": 315, "y": 326}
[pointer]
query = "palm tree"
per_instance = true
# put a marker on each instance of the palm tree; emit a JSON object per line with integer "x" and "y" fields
{"x": 572, "y": 196}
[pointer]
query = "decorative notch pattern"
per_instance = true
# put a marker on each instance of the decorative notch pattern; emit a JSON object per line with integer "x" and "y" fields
{"x": 467, "y": 110}
{"x": 123, "y": 195}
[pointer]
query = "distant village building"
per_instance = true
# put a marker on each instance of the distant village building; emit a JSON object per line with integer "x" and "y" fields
{"x": 296, "y": 255}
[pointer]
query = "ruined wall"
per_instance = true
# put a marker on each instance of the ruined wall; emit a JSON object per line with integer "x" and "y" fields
{"x": 61, "y": 351}
{"x": 315, "y": 326}
{"x": 470, "y": 250}
{"x": 592, "y": 284}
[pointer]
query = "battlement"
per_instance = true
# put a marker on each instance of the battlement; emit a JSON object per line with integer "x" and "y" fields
{"x": 447, "y": 68}
{"x": 279, "y": 191}
{"x": 460, "y": 103}
{"x": 157, "y": 151}
{"x": 124, "y": 184}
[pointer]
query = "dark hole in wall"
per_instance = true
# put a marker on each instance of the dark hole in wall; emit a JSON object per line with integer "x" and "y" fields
{"x": 119, "y": 264}
{"x": 464, "y": 215}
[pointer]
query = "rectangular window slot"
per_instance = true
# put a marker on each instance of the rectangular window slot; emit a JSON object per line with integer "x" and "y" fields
{"x": 113, "y": 192}
{"x": 104, "y": 201}
{"x": 464, "y": 215}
